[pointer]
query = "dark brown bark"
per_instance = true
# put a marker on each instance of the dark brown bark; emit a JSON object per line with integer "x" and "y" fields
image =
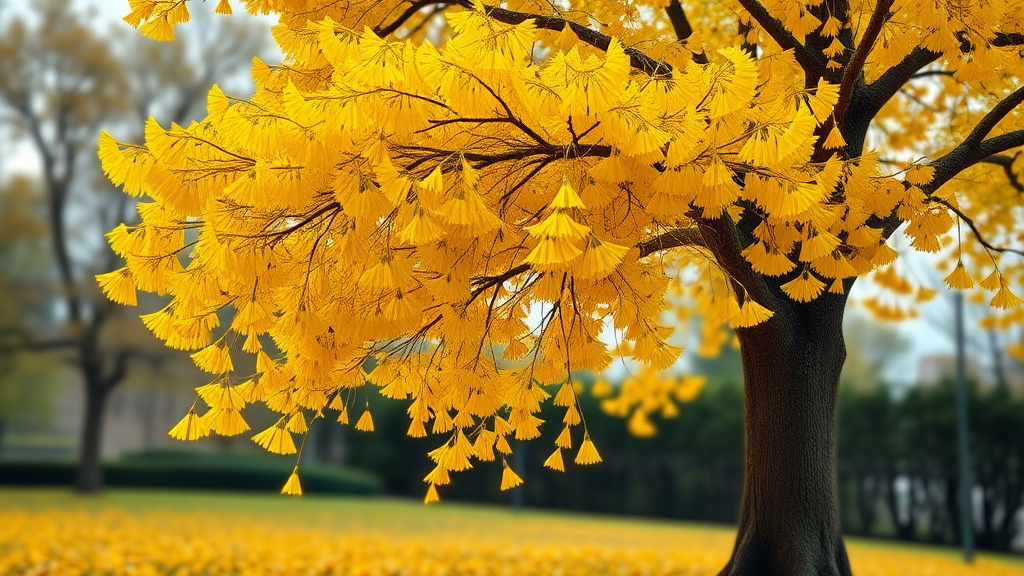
{"x": 789, "y": 516}
{"x": 90, "y": 470}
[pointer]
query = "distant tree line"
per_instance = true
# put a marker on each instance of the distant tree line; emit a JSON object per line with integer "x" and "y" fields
{"x": 897, "y": 463}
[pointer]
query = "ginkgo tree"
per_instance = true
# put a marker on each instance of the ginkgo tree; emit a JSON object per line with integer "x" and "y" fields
{"x": 479, "y": 200}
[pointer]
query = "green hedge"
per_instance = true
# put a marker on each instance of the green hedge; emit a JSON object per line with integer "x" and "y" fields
{"x": 209, "y": 471}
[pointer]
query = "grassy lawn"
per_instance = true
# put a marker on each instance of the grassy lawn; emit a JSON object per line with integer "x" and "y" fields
{"x": 372, "y": 531}
{"x": 334, "y": 513}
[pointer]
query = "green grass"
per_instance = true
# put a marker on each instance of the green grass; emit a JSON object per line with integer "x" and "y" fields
{"x": 377, "y": 513}
{"x": 334, "y": 512}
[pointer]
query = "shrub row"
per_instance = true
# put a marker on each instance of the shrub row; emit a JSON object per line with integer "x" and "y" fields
{"x": 209, "y": 471}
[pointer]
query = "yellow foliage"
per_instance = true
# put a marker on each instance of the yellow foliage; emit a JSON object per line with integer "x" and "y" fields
{"x": 588, "y": 452}
{"x": 431, "y": 189}
{"x": 509, "y": 479}
{"x": 292, "y": 486}
{"x": 369, "y": 538}
{"x": 191, "y": 427}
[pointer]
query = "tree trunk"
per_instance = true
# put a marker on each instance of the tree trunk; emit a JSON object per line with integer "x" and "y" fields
{"x": 789, "y": 515}
{"x": 90, "y": 471}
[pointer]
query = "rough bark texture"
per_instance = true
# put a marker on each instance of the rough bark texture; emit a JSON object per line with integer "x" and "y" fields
{"x": 789, "y": 517}
{"x": 90, "y": 471}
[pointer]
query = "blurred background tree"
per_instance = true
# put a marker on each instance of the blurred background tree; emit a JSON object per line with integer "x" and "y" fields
{"x": 25, "y": 382}
{"x": 59, "y": 81}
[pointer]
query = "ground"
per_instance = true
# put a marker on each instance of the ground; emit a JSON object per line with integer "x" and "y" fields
{"x": 177, "y": 533}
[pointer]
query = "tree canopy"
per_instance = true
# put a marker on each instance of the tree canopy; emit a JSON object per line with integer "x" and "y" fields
{"x": 476, "y": 199}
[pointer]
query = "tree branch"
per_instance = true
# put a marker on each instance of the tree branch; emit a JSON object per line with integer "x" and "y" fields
{"x": 681, "y": 25}
{"x": 414, "y": 7}
{"x": 743, "y": 29}
{"x": 951, "y": 164}
{"x": 1008, "y": 39}
{"x": 877, "y": 93}
{"x": 121, "y": 360}
{"x": 812, "y": 63}
{"x": 481, "y": 283}
{"x": 1006, "y": 162}
{"x": 997, "y": 113}
{"x": 666, "y": 240}
{"x": 928, "y": 73}
{"x": 853, "y": 70}
{"x": 25, "y": 343}
{"x": 871, "y": 97}
{"x": 637, "y": 59}
{"x": 975, "y": 148}
{"x": 977, "y": 233}
{"x": 671, "y": 239}
{"x": 722, "y": 238}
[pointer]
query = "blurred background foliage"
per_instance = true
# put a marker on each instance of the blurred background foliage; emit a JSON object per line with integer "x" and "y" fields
{"x": 84, "y": 389}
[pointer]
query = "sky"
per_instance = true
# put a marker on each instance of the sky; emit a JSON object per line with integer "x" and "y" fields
{"x": 926, "y": 336}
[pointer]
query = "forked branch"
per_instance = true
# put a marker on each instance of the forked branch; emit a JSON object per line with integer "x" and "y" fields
{"x": 976, "y": 148}
{"x": 121, "y": 364}
{"x": 874, "y": 95}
